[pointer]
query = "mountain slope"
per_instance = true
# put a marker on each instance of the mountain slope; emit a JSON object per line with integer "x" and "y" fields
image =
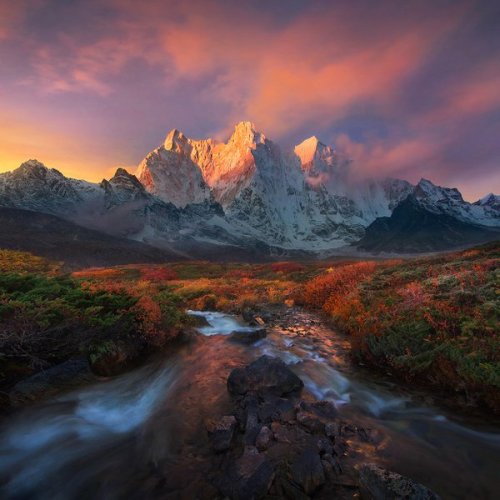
{"x": 246, "y": 193}
{"x": 412, "y": 227}
{"x": 52, "y": 237}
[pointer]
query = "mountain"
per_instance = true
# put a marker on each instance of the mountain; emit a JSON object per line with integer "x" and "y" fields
{"x": 244, "y": 194}
{"x": 490, "y": 200}
{"x": 300, "y": 199}
{"x": 449, "y": 201}
{"x": 418, "y": 226}
{"x": 58, "y": 239}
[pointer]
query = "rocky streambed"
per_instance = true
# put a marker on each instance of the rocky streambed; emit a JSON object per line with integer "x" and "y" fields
{"x": 270, "y": 407}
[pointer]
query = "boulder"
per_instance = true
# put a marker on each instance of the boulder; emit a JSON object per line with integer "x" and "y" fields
{"x": 277, "y": 409}
{"x": 248, "y": 477}
{"x": 52, "y": 381}
{"x": 248, "y": 337}
{"x": 252, "y": 424}
{"x": 307, "y": 471}
{"x": 264, "y": 438}
{"x": 380, "y": 484}
{"x": 266, "y": 375}
{"x": 221, "y": 433}
{"x": 110, "y": 357}
{"x": 316, "y": 416}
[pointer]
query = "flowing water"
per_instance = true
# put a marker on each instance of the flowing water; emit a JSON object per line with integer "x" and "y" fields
{"x": 142, "y": 435}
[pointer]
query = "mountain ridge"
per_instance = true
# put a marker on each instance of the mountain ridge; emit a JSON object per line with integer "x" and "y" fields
{"x": 244, "y": 192}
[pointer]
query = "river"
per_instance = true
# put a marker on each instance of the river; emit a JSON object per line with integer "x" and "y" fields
{"x": 142, "y": 434}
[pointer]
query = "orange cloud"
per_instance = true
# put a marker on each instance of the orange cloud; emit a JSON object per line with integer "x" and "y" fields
{"x": 388, "y": 157}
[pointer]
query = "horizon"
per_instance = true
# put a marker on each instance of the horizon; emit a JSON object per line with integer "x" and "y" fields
{"x": 405, "y": 91}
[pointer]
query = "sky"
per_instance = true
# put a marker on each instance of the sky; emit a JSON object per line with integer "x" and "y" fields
{"x": 407, "y": 89}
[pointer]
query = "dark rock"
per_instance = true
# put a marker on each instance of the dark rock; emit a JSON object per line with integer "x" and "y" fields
{"x": 310, "y": 422}
{"x": 316, "y": 415}
{"x": 248, "y": 337}
{"x": 381, "y": 484}
{"x": 54, "y": 380}
{"x": 281, "y": 433}
{"x": 332, "y": 430}
{"x": 284, "y": 488}
{"x": 248, "y": 477}
{"x": 252, "y": 425}
{"x": 266, "y": 375}
{"x": 247, "y": 315}
{"x": 221, "y": 433}
{"x": 198, "y": 321}
{"x": 325, "y": 446}
{"x": 276, "y": 409}
{"x": 264, "y": 438}
{"x": 322, "y": 409}
{"x": 307, "y": 471}
{"x": 112, "y": 358}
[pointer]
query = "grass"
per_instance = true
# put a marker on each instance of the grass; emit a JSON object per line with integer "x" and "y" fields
{"x": 429, "y": 320}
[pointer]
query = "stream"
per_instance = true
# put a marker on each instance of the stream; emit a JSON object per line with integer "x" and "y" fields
{"x": 142, "y": 434}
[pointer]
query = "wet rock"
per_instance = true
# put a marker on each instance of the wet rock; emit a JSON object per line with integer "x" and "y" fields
{"x": 322, "y": 409}
{"x": 248, "y": 337}
{"x": 247, "y": 315}
{"x": 252, "y": 425}
{"x": 266, "y": 375}
{"x": 264, "y": 438}
{"x": 281, "y": 433}
{"x": 54, "y": 380}
{"x": 248, "y": 477}
{"x": 198, "y": 321}
{"x": 221, "y": 433}
{"x": 307, "y": 471}
{"x": 277, "y": 409}
{"x": 284, "y": 488}
{"x": 381, "y": 484}
{"x": 112, "y": 358}
{"x": 316, "y": 416}
{"x": 310, "y": 422}
{"x": 332, "y": 430}
{"x": 324, "y": 446}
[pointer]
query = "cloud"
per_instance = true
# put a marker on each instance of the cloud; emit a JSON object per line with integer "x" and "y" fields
{"x": 404, "y": 81}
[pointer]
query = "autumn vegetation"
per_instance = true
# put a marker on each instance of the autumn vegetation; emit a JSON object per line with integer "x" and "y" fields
{"x": 431, "y": 321}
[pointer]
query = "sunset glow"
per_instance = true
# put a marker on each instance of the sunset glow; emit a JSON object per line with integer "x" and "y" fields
{"x": 407, "y": 89}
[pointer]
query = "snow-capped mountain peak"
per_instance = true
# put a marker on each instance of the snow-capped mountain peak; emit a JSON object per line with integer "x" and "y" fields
{"x": 246, "y": 134}
{"x": 245, "y": 191}
{"x": 449, "y": 201}
{"x": 490, "y": 200}
{"x": 425, "y": 189}
{"x": 175, "y": 141}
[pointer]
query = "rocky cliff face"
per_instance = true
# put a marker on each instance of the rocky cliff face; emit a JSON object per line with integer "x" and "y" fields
{"x": 246, "y": 192}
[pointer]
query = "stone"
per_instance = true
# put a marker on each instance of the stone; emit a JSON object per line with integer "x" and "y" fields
{"x": 277, "y": 409}
{"x": 310, "y": 422}
{"x": 252, "y": 424}
{"x": 221, "y": 433}
{"x": 248, "y": 337}
{"x": 381, "y": 484}
{"x": 264, "y": 438}
{"x": 266, "y": 375}
{"x": 248, "y": 477}
{"x": 307, "y": 471}
{"x": 54, "y": 380}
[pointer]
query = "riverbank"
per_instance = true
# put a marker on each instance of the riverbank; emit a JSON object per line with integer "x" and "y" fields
{"x": 158, "y": 430}
{"x": 429, "y": 322}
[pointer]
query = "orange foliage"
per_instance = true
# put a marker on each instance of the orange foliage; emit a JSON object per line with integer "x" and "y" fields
{"x": 158, "y": 274}
{"x": 287, "y": 267}
{"x": 338, "y": 281}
